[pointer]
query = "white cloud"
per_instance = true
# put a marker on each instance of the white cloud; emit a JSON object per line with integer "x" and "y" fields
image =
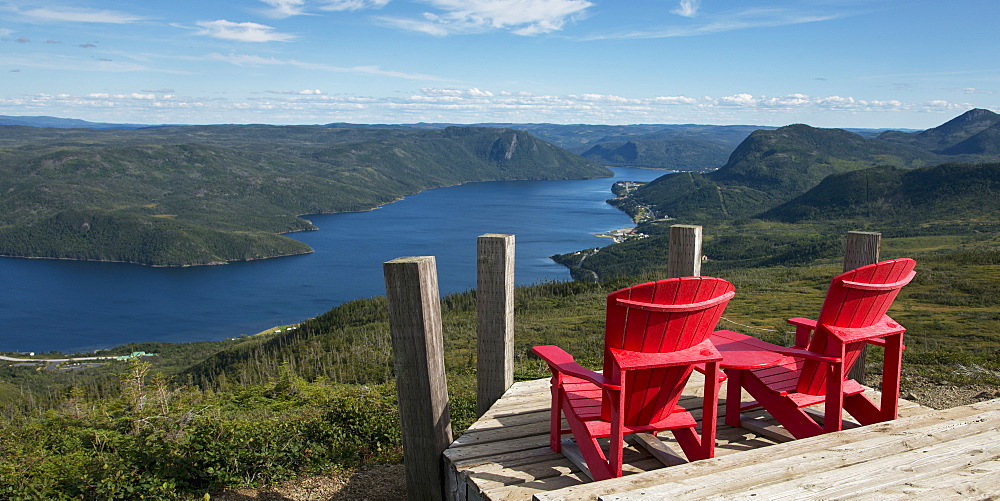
{"x": 83, "y": 16}
{"x": 304, "y": 92}
{"x": 64, "y": 62}
{"x": 285, "y": 8}
{"x": 522, "y": 17}
{"x": 353, "y": 4}
{"x": 251, "y": 60}
{"x": 241, "y": 32}
{"x": 473, "y": 93}
{"x": 674, "y": 100}
{"x": 747, "y": 19}
{"x": 472, "y": 105}
{"x": 737, "y": 100}
{"x": 687, "y": 8}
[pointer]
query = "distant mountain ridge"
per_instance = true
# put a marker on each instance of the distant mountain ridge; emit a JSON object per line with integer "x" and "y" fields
{"x": 772, "y": 167}
{"x": 947, "y": 136}
{"x": 194, "y": 195}
{"x": 62, "y": 123}
{"x": 677, "y": 147}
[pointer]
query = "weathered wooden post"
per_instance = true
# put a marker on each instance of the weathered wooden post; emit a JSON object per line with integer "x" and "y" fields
{"x": 411, "y": 287}
{"x": 684, "y": 251}
{"x": 862, "y": 248}
{"x": 495, "y": 319}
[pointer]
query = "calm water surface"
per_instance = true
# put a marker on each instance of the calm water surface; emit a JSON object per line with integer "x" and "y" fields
{"x": 77, "y": 306}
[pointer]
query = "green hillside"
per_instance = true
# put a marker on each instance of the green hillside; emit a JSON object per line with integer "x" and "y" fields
{"x": 213, "y": 194}
{"x": 966, "y": 192}
{"x": 986, "y": 142}
{"x": 786, "y": 195}
{"x": 694, "y": 148}
{"x": 945, "y": 136}
{"x": 682, "y": 154}
{"x": 772, "y": 167}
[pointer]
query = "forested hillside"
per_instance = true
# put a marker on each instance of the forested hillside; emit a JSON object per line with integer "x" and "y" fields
{"x": 890, "y": 195}
{"x": 212, "y": 194}
{"x": 772, "y": 167}
{"x": 825, "y": 182}
{"x": 948, "y": 135}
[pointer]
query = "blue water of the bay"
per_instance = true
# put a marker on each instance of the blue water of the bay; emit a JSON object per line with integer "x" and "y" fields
{"x": 74, "y": 306}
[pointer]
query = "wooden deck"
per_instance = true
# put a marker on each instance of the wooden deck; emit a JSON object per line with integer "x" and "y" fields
{"x": 947, "y": 454}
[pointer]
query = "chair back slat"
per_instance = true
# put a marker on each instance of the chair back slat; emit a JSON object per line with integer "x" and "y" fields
{"x": 857, "y": 298}
{"x": 636, "y": 323}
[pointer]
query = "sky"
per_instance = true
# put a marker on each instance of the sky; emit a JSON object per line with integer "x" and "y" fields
{"x": 905, "y": 64}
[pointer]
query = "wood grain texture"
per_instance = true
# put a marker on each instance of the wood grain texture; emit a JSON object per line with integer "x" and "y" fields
{"x": 684, "y": 253}
{"x": 411, "y": 288}
{"x": 495, "y": 319}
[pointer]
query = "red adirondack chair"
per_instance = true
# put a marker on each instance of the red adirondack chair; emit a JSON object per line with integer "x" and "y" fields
{"x": 815, "y": 369}
{"x": 655, "y": 333}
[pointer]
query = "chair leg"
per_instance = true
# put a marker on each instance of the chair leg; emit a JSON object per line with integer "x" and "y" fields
{"x": 690, "y": 443}
{"x": 833, "y": 418}
{"x": 710, "y": 410}
{"x": 892, "y": 370}
{"x": 616, "y": 447}
{"x": 555, "y": 421}
{"x": 593, "y": 454}
{"x": 734, "y": 392}
{"x": 863, "y": 409}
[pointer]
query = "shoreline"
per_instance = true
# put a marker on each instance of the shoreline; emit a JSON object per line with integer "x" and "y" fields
{"x": 304, "y": 217}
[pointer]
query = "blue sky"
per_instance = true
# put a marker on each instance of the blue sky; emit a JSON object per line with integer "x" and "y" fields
{"x": 828, "y": 63}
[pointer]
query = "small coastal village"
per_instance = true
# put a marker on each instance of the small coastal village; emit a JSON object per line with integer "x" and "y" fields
{"x": 70, "y": 364}
{"x": 623, "y": 191}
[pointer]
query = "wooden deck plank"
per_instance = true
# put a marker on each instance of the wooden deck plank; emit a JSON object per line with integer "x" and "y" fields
{"x": 974, "y": 481}
{"x": 505, "y": 454}
{"x": 501, "y": 433}
{"x": 867, "y": 478}
{"x": 802, "y": 458}
{"x": 488, "y": 449}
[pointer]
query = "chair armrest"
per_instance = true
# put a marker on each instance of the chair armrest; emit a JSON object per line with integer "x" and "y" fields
{"x": 886, "y": 326}
{"x": 880, "y": 341}
{"x": 563, "y": 363}
{"x": 633, "y": 360}
{"x": 803, "y": 330}
{"x": 802, "y": 322}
